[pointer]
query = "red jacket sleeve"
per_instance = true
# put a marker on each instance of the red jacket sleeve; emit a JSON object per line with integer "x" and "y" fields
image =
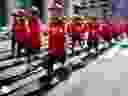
{"x": 69, "y": 27}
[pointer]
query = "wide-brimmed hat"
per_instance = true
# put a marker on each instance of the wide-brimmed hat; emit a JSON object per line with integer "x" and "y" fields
{"x": 52, "y": 19}
{"x": 19, "y": 12}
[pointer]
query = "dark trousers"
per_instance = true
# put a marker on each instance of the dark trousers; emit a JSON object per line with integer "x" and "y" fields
{"x": 115, "y": 35}
{"x": 53, "y": 59}
{"x": 76, "y": 37}
{"x": 28, "y": 51}
{"x": 108, "y": 40}
{"x": 74, "y": 41}
{"x": 13, "y": 41}
{"x": 19, "y": 48}
{"x": 92, "y": 41}
{"x": 51, "y": 62}
{"x": 92, "y": 44}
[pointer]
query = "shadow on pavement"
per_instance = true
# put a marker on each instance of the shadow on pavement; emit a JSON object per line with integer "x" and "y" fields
{"x": 64, "y": 73}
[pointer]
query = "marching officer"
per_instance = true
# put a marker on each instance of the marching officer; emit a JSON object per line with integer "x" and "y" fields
{"x": 12, "y": 33}
{"x": 92, "y": 41}
{"x": 23, "y": 36}
{"x": 56, "y": 49}
{"x": 13, "y": 22}
{"x": 75, "y": 28}
{"x": 105, "y": 30}
{"x": 36, "y": 29}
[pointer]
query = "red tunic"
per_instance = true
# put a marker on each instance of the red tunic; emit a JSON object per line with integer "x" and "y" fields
{"x": 36, "y": 30}
{"x": 21, "y": 32}
{"x": 92, "y": 29}
{"x": 75, "y": 30}
{"x": 123, "y": 27}
{"x": 87, "y": 29}
{"x": 116, "y": 28}
{"x": 84, "y": 31}
{"x": 105, "y": 31}
{"x": 56, "y": 39}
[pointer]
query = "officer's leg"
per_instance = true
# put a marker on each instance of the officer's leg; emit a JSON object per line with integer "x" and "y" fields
{"x": 96, "y": 45}
{"x": 89, "y": 44}
{"x": 63, "y": 58}
{"x": 20, "y": 46}
{"x": 126, "y": 34}
{"x": 116, "y": 35}
{"x": 81, "y": 42}
{"x": 109, "y": 41}
{"x": 50, "y": 66}
{"x": 13, "y": 45}
{"x": 73, "y": 45}
{"x": 30, "y": 67}
{"x": 29, "y": 52}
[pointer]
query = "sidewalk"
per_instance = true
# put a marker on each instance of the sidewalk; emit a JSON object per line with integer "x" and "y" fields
{"x": 5, "y": 45}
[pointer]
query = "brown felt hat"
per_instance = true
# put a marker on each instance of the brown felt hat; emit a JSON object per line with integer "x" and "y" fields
{"x": 52, "y": 19}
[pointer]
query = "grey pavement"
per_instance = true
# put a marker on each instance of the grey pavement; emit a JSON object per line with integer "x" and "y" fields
{"x": 5, "y": 45}
{"x": 11, "y": 69}
{"x": 102, "y": 77}
{"x": 32, "y": 80}
{"x": 92, "y": 7}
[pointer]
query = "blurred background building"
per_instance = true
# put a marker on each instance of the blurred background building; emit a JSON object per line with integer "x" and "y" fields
{"x": 119, "y": 7}
{"x": 43, "y": 7}
{"x": 68, "y": 8}
{"x": 92, "y": 7}
{"x": 62, "y": 7}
